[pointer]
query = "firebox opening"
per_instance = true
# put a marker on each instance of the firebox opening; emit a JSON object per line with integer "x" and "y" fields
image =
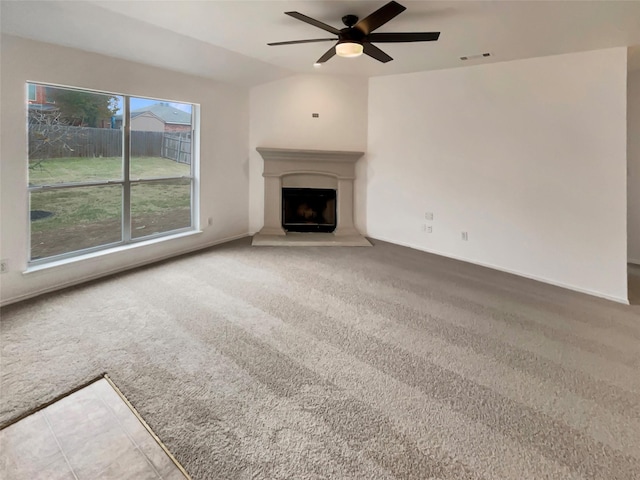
{"x": 308, "y": 209}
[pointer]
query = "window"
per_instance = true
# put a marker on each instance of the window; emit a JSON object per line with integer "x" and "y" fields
{"x": 96, "y": 184}
{"x": 31, "y": 92}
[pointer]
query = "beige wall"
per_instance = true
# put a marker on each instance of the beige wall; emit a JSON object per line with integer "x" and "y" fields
{"x": 633, "y": 152}
{"x": 528, "y": 157}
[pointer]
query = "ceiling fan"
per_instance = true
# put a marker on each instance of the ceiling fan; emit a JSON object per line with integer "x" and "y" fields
{"x": 357, "y": 37}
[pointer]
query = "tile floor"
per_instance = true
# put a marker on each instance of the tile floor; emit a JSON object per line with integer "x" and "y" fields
{"x": 90, "y": 434}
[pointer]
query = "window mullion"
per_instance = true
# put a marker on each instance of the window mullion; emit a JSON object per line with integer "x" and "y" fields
{"x": 126, "y": 160}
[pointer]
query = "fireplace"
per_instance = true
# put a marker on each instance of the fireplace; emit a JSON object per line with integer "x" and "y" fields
{"x": 309, "y": 198}
{"x": 308, "y": 209}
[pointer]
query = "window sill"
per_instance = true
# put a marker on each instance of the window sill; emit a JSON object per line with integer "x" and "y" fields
{"x": 109, "y": 251}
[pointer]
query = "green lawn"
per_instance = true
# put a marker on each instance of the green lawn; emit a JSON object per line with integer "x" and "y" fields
{"x": 83, "y": 217}
{"x": 84, "y": 169}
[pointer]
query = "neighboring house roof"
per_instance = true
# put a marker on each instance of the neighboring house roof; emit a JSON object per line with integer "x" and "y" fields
{"x": 166, "y": 113}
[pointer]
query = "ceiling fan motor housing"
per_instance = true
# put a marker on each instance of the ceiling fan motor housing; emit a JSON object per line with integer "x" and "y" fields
{"x": 350, "y": 20}
{"x": 350, "y": 35}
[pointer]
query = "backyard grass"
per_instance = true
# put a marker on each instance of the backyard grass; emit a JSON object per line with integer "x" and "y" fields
{"x": 86, "y": 169}
{"x": 84, "y": 217}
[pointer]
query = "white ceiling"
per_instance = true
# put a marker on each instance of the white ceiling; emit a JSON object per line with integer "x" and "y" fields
{"x": 227, "y": 40}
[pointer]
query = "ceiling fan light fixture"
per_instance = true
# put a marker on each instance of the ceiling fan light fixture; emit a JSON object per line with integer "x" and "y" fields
{"x": 349, "y": 49}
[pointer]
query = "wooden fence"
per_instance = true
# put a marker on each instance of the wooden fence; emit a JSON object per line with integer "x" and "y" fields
{"x": 66, "y": 141}
{"x": 177, "y": 146}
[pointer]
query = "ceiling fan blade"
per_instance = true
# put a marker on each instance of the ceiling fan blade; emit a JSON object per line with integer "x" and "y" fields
{"x": 376, "y": 53}
{"x": 404, "y": 37}
{"x": 328, "y": 54}
{"x": 303, "y": 41}
{"x": 379, "y": 17}
{"x": 314, "y": 22}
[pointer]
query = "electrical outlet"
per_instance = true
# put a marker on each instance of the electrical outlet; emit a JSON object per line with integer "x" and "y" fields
{"x": 209, "y": 221}
{"x": 424, "y": 227}
{"x": 465, "y": 236}
{"x": 4, "y": 266}
{"x": 428, "y": 216}
{"x": 429, "y": 229}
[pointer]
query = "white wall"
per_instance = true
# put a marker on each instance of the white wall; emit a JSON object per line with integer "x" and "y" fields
{"x": 224, "y": 155}
{"x": 281, "y": 117}
{"x": 528, "y": 157}
{"x": 633, "y": 152}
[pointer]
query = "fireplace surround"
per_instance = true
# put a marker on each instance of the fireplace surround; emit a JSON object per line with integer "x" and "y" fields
{"x": 290, "y": 169}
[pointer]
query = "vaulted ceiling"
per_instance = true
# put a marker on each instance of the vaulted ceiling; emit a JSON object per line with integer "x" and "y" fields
{"x": 227, "y": 40}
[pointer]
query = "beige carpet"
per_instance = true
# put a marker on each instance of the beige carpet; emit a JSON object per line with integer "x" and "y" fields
{"x": 345, "y": 363}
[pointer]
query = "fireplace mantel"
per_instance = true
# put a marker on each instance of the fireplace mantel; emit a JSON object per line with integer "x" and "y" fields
{"x": 284, "y": 154}
{"x": 308, "y": 166}
{"x": 279, "y": 162}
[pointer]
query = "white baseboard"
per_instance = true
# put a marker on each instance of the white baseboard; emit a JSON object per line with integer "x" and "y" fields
{"x": 593, "y": 293}
{"x": 71, "y": 283}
